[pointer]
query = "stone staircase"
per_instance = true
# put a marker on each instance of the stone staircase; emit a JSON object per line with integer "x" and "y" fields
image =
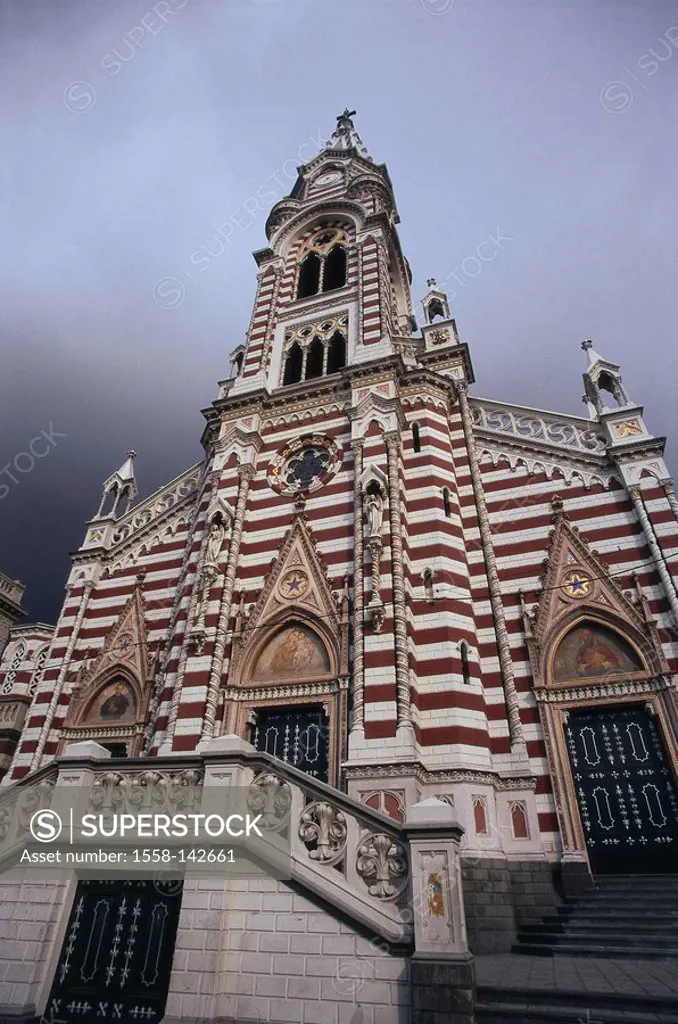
{"x": 624, "y": 916}
{"x": 626, "y": 928}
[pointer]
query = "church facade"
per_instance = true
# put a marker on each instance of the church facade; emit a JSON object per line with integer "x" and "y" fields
{"x": 414, "y": 596}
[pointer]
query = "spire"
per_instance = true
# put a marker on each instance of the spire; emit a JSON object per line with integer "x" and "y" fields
{"x": 603, "y": 383}
{"x": 345, "y": 135}
{"x": 120, "y": 485}
{"x": 593, "y": 356}
{"x": 126, "y": 471}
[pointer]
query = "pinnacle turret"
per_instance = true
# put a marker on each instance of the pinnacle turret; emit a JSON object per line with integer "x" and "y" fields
{"x": 345, "y": 135}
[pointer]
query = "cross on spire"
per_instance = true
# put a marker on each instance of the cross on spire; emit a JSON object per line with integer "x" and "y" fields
{"x": 345, "y": 135}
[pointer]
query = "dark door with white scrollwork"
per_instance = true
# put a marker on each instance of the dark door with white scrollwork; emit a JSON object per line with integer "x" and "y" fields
{"x": 625, "y": 789}
{"x": 117, "y": 953}
{"x": 297, "y": 735}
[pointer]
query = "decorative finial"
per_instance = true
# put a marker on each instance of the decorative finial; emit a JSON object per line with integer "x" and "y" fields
{"x": 431, "y": 282}
{"x": 586, "y": 345}
{"x": 347, "y": 115}
{"x": 131, "y": 454}
{"x": 556, "y": 505}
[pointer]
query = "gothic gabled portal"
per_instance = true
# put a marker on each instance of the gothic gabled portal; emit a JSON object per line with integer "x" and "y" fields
{"x": 109, "y": 702}
{"x": 606, "y": 710}
{"x": 289, "y": 671}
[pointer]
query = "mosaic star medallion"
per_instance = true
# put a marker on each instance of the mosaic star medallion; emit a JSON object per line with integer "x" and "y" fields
{"x": 294, "y": 584}
{"x": 576, "y": 584}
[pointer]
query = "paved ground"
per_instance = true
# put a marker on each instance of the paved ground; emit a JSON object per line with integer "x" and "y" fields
{"x": 636, "y": 978}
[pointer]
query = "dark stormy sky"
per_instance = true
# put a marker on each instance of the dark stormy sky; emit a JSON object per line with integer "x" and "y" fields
{"x": 133, "y": 131}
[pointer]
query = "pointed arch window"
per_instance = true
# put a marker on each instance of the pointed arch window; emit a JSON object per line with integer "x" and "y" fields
{"x": 314, "y": 350}
{"x": 480, "y": 815}
{"x": 323, "y": 266}
{"x": 293, "y": 364}
{"x": 15, "y": 665}
{"x": 309, "y": 276}
{"x": 519, "y": 823}
{"x": 315, "y": 358}
{"x": 416, "y": 437}
{"x": 336, "y": 353}
{"x": 334, "y": 269}
{"x": 446, "y": 502}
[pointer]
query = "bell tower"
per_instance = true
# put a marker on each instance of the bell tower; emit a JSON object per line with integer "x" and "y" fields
{"x": 333, "y": 285}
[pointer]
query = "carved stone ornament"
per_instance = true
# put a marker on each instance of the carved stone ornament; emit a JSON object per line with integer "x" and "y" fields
{"x": 215, "y": 541}
{"x": 374, "y": 510}
{"x": 208, "y": 574}
{"x": 270, "y": 797}
{"x": 154, "y": 790}
{"x": 382, "y": 865}
{"x": 322, "y": 829}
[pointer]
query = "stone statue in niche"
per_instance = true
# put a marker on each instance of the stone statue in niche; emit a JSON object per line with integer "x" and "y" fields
{"x": 208, "y": 573}
{"x": 215, "y": 540}
{"x": 374, "y": 507}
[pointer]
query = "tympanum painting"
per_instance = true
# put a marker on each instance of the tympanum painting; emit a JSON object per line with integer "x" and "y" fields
{"x": 593, "y": 650}
{"x": 115, "y": 701}
{"x": 294, "y": 651}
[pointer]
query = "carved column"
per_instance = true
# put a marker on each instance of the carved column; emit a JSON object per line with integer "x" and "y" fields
{"x": 398, "y": 577}
{"x": 166, "y": 745}
{"x": 59, "y": 685}
{"x": 496, "y": 603}
{"x": 218, "y": 662}
{"x": 656, "y": 551}
{"x": 176, "y": 604}
{"x": 671, "y": 496}
{"x": 358, "y": 582}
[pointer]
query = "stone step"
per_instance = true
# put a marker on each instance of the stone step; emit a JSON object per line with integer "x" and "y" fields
{"x": 583, "y": 947}
{"x": 595, "y": 937}
{"x": 603, "y": 926}
{"x": 636, "y": 881}
{"x": 499, "y": 1005}
{"x": 647, "y": 915}
{"x": 527, "y": 1013}
{"x": 625, "y": 916}
{"x": 618, "y": 899}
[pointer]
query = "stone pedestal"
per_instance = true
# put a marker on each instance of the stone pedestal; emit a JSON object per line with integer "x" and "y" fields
{"x": 443, "y": 973}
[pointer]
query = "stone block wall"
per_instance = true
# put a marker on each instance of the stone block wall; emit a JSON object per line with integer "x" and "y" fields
{"x": 256, "y": 950}
{"x": 502, "y": 896}
{"x": 30, "y": 915}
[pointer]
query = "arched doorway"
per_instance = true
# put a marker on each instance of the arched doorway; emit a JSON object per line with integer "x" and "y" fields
{"x": 617, "y": 767}
{"x": 290, "y": 699}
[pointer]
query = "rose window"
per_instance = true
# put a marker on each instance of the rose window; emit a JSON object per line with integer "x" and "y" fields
{"x": 301, "y": 470}
{"x": 305, "y": 464}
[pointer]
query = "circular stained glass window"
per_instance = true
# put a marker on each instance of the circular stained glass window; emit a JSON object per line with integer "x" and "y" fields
{"x": 304, "y": 465}
{"x": 301, "y": 470}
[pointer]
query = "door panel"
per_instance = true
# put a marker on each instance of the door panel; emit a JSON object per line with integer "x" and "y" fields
{"x": 625, "y": 789}
{"x": 117, "y": 954}
{"x": 297, "y": 735}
